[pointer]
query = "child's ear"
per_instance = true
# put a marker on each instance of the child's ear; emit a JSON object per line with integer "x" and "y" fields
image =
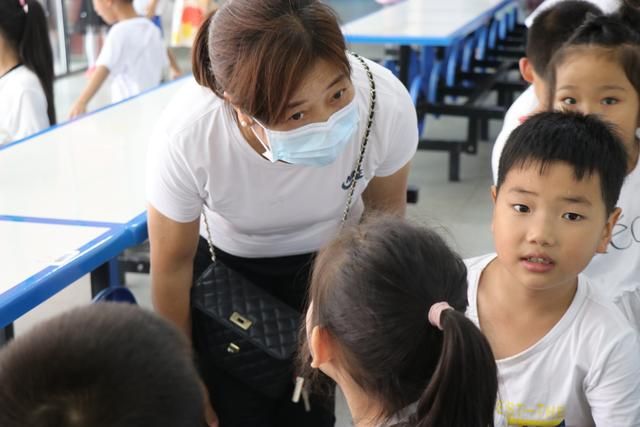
{"x": 608, "y": 230}
{"x": 526, "y": 69}
{"x": 322, "y": 347}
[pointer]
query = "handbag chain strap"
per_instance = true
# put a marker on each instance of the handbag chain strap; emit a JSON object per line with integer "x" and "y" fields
{"x": 356, "y": 172}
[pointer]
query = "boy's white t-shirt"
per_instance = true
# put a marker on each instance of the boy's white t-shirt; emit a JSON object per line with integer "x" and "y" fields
{"x": 617, "y": 272}
{"x": 584, "y": 372}
{"x": 521, "y": 108}
{"x": 23, "y": 105}
{"x": 135, "y": 55}
{"x": 261, "y": 209}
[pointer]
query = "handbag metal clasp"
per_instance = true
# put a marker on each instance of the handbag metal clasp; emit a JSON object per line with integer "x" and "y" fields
{"x": 233, "y": 348}
{"x": 240, "y": 321}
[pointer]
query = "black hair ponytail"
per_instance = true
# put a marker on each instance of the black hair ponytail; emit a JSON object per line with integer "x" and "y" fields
{"x": 24, "y": 25}
{"x": 372, "y": 289}
{"x": 35, "y": 51}
{"x": 463, "y": 389}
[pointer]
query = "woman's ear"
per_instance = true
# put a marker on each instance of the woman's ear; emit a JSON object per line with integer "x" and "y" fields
{"x": 244, "y": 119}
{"x": 607, "y": 232}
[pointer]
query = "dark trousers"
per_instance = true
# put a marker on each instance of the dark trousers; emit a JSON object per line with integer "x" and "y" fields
{"x": 236, "y": 404}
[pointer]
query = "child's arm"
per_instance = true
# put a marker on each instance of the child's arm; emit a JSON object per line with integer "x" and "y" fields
{"x": 151, "y": 9}
{"x": 80, "y": 106}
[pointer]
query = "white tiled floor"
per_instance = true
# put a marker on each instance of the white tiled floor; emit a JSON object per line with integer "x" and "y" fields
{"x": 461, "y": 210}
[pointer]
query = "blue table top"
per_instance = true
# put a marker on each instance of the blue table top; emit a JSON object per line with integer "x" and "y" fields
{"x": 423, "y": 22}
{"x": 73, "y": 199}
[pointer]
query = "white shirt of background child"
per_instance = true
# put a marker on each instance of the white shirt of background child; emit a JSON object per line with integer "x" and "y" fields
{"x": 261, "y": 209}
{"x": 521, "y": 108}
{"x": 617, "y": 272}
{"x": 584, "y": 372}
{"x": 135, "y": 55}
{"x": 23, "y": 105}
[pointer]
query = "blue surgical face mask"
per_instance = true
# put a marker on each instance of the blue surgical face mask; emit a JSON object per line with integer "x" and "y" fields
{"x": 315, "y": 144}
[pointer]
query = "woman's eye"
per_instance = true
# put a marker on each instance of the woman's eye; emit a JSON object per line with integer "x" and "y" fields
{"x": 572, "y": 216}
{"x": 521, "y": 208}
{"x": 569, "y": 101}
{"x": 297, "y": 116}
{"x": 339, "y": 94}
{"x": 609, "y": 101}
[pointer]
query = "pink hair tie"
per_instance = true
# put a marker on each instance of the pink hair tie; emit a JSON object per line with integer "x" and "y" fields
{"x": 24, "y": 5}
{"x": 436, "y": 311}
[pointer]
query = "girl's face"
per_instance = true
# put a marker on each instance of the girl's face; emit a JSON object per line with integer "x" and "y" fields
{"x": 593, "y": 82}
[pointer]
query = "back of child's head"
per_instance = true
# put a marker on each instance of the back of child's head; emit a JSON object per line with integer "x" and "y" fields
{"x": 589, "y": 145}
{"x": 609, "y": 36}
{"x": 372, "y": 290}
{"x": 553, "y": 27}
{"x": 105, "y": 365}
{"x": 23, "y": 25}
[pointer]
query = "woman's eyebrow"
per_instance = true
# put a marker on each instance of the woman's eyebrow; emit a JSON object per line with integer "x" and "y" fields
{"x": 338, "y": 79}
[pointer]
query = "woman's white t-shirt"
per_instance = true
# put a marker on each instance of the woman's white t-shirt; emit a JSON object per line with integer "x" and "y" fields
{"x": 261, "y": 209}
{"x": 23, "y": 105}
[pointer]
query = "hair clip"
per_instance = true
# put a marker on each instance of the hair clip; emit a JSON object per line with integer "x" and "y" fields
{"x": 435, "y": 312}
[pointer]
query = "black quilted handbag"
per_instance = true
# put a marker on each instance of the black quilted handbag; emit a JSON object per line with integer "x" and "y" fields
{"x": 243, "y": 329}
{"x": 240, "y": 327}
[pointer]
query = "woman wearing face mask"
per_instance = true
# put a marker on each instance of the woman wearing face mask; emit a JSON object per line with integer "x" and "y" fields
{"x": 266, "y": 143}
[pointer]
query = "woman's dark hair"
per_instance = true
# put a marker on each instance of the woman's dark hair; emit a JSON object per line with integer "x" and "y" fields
{"x": 258, "y": 52}
{"x": 606, "y": 35}
{"x": 372, "y": 289}
{"x": 586, "y": 143}
{"x": 25, "y": 28}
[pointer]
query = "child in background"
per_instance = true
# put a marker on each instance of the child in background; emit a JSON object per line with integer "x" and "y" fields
{"x": 26, "y": 70}
{"x": 566, "y": 356}
{"x": 598, "y": 71}
{"x": 607, "y": 6}
{"x": 547, "y": 33}
{"x": 104, "y": 365}
{"x": 153, "y": 9}
{"x": 386, "y": 322}
{"x": 133, "y": 55}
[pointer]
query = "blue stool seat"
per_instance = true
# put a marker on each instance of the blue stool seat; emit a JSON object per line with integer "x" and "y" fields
{"x": 115, "y": 294}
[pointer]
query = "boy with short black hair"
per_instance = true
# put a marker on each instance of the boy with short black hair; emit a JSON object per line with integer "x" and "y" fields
{"x": 133, "y": 55}
{"x": 104, "y": 365}
{"x": 565, "y": 354}
{"x": 548, "y": 32}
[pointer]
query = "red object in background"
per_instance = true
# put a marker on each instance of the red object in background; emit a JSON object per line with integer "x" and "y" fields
{"x": 192, "y": 15}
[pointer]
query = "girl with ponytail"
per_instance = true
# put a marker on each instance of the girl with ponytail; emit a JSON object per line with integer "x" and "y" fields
{"x": 386, "y": 322}
{"x": 26, "y": 70}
